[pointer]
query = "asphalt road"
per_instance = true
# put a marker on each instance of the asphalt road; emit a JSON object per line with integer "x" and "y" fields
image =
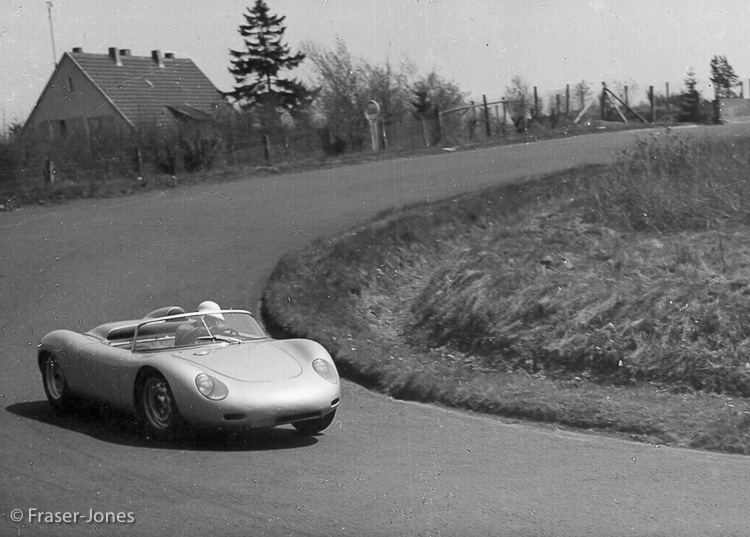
{"x": 384, "y": 467}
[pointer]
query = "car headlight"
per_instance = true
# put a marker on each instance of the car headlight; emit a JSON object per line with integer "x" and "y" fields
{"x": 325, "y": 370}
{"x": 210, "y": 387}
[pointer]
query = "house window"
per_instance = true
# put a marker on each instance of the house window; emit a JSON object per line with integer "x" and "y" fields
{"x": 48, "y": 128}
{"x": 70, "y": 85}
{"x": 55, "y": 130}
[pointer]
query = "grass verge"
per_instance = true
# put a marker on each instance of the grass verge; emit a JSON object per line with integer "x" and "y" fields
{"x": 610, "y": 298}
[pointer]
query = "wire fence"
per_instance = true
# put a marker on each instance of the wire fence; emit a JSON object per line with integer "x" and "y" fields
{"x": 87, "y": 166}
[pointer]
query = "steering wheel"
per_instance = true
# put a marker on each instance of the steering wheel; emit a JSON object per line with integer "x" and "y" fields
{"x": 231, "y": 332}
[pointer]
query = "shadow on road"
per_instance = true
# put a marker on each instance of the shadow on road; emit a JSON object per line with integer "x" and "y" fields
{"x": 108, "y": 425}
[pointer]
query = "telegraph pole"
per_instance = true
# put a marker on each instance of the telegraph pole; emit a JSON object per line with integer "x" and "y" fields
{"x": 52, "y": 33}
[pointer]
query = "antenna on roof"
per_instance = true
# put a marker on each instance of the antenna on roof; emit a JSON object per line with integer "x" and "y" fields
{"x": 52, "y": 33}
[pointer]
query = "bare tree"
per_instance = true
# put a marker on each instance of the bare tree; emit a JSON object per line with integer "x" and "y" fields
{"x": 619, "y": 87}
{"x": 581, "y": 92}
{"x": 520, "y": 99}
{"x": 343, "y": 91}
{"x": 347, "y": 83}
{"x": 390, "y": 87}
{"x": 433, "y": 92}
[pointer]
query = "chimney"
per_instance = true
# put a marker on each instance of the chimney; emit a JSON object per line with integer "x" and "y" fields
{"x": 158, "y": 58}
{"x": 114, "y": 53}
{"x": 77, "y": 50}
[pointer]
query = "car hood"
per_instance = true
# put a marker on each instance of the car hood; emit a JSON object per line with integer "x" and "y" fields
{"x": 252, "y": 361}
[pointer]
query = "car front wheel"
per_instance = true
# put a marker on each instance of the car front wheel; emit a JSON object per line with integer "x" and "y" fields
{"x": 55, "y": 385}
{"x": 158, "y": 408}
{"x": 311, "y": 427}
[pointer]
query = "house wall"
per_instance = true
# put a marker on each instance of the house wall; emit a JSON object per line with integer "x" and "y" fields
{"x": 72, "y": 106}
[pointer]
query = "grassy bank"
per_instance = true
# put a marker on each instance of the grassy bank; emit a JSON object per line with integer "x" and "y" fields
{"x": 608, "y": 298}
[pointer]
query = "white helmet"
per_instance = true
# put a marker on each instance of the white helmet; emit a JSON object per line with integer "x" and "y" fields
{"x": 208, "y": 306}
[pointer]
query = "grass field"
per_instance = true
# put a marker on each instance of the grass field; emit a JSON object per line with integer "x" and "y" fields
{"x": 611, "y": 298}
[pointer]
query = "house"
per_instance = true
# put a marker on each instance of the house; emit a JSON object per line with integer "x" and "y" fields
{"x": 91, "y": 92}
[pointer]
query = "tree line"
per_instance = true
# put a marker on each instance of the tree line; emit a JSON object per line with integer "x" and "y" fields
{"x": 343, "y": 84}
{"x": 270, "y": 96}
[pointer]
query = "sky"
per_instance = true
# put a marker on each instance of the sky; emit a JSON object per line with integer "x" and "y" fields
{"x": 477, "y": 44}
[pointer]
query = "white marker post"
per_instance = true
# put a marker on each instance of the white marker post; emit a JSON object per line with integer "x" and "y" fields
{"x": 372, "y": 113}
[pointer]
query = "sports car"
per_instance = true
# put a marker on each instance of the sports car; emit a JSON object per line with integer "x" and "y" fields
{"x": 213, "y": 367}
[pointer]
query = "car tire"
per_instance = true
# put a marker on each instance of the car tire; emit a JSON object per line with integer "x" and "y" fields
{"x": 312, "y": 427}
{"x": 55, "y": 385}
{"x": 157, "y": 407}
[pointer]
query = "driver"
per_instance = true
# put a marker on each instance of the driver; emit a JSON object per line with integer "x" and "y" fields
{"x": 188, "y": 333}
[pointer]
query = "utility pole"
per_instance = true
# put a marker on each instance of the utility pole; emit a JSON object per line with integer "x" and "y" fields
{"x": 52, "y": 33}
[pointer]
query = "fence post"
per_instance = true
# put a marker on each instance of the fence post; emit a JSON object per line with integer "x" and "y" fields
{"x": 627, "y": 100}
{"x": 602, "y": 102}
{"x": 439, "y": 133}
{"x": 667, "y": 97}
{"x": 267, "y": 149}
{"x": 567, "y": 99}
{"x": 536, "y": 104}
{"x": 487, "y": 128}
{"x": 651, "y": 100}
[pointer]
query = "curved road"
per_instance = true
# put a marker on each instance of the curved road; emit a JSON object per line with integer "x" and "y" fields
{"x": 384, "y": 467}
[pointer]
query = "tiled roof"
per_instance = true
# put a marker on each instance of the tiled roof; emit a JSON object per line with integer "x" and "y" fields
{"x": 142, "y": 90}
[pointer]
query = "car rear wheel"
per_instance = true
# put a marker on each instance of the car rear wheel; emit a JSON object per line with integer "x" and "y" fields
{"x": 55, "y": 385}
{"x": 158, "y": 408}
{"x": 311, "y": 427}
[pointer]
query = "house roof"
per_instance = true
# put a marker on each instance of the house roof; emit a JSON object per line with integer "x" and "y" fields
{"x": 143, "y": 87}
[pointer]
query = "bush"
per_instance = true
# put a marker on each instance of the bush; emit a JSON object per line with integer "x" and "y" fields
{"x": 199, "y": 150}
{"x": 10, "y": 160}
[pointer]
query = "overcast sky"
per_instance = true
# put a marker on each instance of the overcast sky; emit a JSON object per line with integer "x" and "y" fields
{"x": 478, "y": 44}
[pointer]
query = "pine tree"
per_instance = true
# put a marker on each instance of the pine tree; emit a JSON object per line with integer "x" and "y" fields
{"x": 257, "y": 69}
{"x": 690, "y": 101}
{"x": 723, "y": 76}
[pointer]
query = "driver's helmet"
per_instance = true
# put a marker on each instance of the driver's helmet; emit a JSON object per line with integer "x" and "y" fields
{"x": 210, "y": 306}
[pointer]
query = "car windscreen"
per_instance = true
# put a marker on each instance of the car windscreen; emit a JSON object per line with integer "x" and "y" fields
{"x": 197, "y": 329}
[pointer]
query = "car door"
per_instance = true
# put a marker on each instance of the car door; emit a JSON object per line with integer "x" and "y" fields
{"x": 100, "y": 368}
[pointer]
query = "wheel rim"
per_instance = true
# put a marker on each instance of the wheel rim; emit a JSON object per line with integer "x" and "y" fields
{"x": 157, "y": 403}
{"x": 55, "y": 379}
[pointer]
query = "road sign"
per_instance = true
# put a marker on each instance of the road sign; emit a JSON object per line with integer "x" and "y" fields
{"x": 372, "y": 113}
